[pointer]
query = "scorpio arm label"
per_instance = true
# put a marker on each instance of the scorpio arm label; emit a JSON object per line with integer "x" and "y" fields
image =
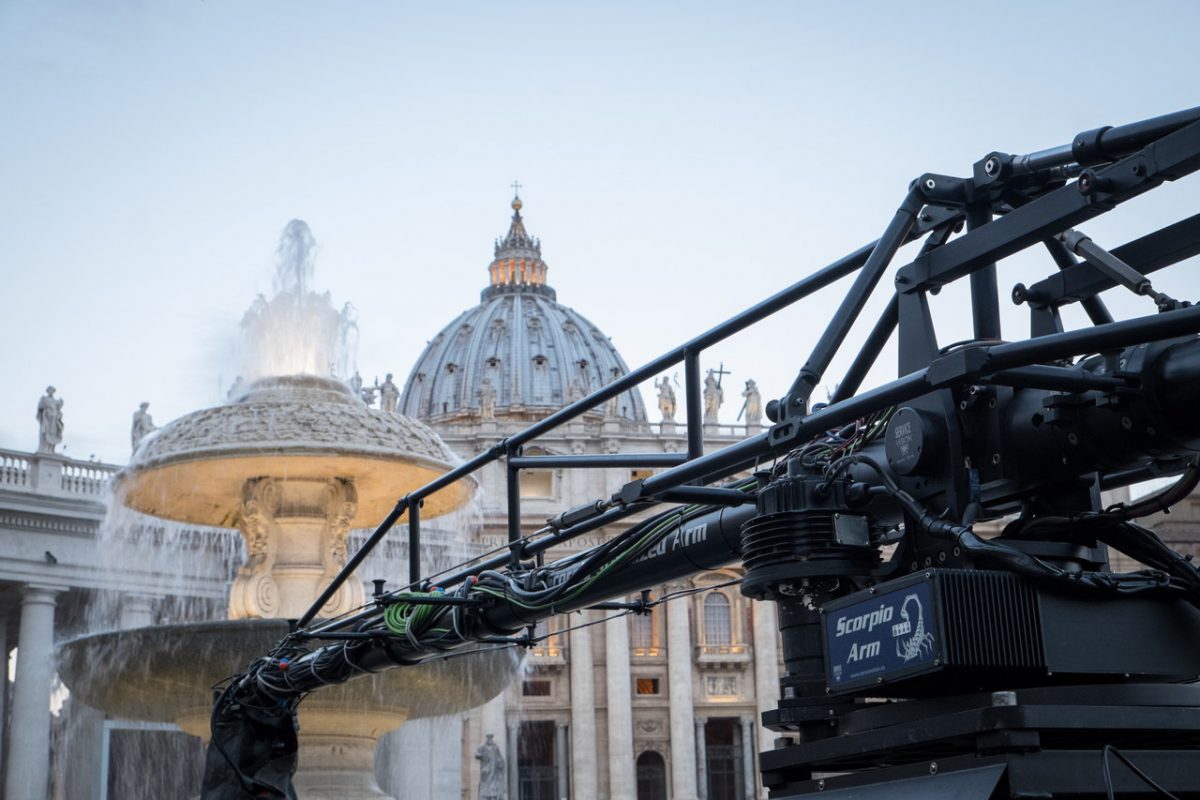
{"x": 888, "y": 632}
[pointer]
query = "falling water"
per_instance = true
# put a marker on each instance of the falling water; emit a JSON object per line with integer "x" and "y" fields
{"x": 298, "y": 331}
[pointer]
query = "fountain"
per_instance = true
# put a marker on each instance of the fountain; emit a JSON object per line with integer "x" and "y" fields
{"x": 294, "y": 462}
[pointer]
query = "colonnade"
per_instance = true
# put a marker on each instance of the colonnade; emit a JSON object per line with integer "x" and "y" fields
{"x": 575, "y": 743}
{"x": 28, "y": 740}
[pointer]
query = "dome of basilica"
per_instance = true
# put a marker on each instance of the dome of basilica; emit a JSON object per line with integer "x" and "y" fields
{"x": 519, "y": 348}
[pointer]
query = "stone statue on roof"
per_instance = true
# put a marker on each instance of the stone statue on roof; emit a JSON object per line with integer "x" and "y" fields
{"x": 753, "y": 407}
{"x": 50, "y": 421}
{"x": 714, "y": 396}
{"x": 143, "y": 425}
{"x": 666, "y": 399}
{"x": 389, "y": 395}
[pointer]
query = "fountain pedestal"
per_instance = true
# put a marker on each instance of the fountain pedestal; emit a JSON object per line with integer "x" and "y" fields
{"x": 337, "y": 745}
{"x": 296, "y": 533}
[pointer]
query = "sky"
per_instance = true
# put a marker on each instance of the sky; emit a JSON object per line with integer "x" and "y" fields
{"x": 679, "y": 162}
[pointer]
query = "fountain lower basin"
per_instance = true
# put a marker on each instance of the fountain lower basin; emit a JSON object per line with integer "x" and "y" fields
{"x": 166, "y": 674}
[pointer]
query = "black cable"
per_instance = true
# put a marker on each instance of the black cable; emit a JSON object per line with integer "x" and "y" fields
{"x": 1015, "y": 560}
{"x": 1108, "y": 783}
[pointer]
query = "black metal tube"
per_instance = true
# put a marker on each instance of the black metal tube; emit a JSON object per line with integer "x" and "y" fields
{"x": 1124, "y": 139}
{"x": 541, "y": 545}
{"x": 765, "y": 308}
{"x": 414, "y": 541}
{"x": 1126, "y": 333}
{"x": 712, "y": 463}
{"x": 1093, "y": 306}
{"x": 985, "y": 297}
{"x": 692, "y": 402}
{"x": 353, "y": 563}
{"x": 847, "y": 313}
{"x": 706, "y": 496}
{"x": 599, "y": 460}
{"x": 514, "y": 502}
{"x": 870, "y": 351}
{"x": 1065, "y": 379}
{"x": 1043, "y": 159}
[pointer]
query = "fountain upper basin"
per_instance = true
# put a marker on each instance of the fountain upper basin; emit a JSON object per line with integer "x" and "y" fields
{"x": 291, "y": 427}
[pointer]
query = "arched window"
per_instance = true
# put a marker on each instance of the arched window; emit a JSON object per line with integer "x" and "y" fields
{"x": 718, "y": 627}
{"x": 651, "y": 777}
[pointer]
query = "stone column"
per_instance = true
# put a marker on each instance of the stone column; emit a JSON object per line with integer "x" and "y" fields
{"x": 560, "y": 761}
{"x": 622, "y": 780}
{"x": 766, "y": 668}
{"x": 137, "y": 611}
{"x": 29, "y": 751}
{"x": 679, "y": 677}
{"x": 514, "y": 730}
{"x": 583, "y": 711}
{"x": 701, "y": 759}
{"x": 749, "y": 728}
{"x": 3, "y": 685}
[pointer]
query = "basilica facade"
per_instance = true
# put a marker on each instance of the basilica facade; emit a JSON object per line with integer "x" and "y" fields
{"x": 661, "y": 705}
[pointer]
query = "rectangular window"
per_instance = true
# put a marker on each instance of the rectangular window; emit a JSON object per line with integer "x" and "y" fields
{"x": 537, "y": 483}
{"x": 646, "y": 686}
{"x": 535, "y": 688}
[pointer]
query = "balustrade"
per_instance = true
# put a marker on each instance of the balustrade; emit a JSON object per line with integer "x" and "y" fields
{"x": 14, "y": 469}
{"x": 42, "y": 473}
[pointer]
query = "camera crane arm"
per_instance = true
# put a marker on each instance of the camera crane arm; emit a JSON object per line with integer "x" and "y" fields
{"x": 1055, "y": 429}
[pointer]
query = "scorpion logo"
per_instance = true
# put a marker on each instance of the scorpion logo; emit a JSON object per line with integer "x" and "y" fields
{"x": 920, "y": 643}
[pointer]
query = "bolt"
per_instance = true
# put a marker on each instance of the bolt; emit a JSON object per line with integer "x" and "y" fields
{"x": 930, "y": 183}
{"x": 942, "y": 557}
{"x": 1085, "y": 182}
{"x": 928, "y": 561}
{"x": 821, "y": 785}
{"x": 995, "y": 458}
{"x": 1139, "y": 169}
{"x": 879, "y": 680}
{"x": 992, "y": 403}
{"x": 957, "y": 551}
{"x": 1127, "y": 423}
{"x": 1019, "y": 294}
{"x": 991, "y": 166}
{"x": 1073, "y": 439}
{"x": 1151, "y": 431}
{"x": 933, "y": 768}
